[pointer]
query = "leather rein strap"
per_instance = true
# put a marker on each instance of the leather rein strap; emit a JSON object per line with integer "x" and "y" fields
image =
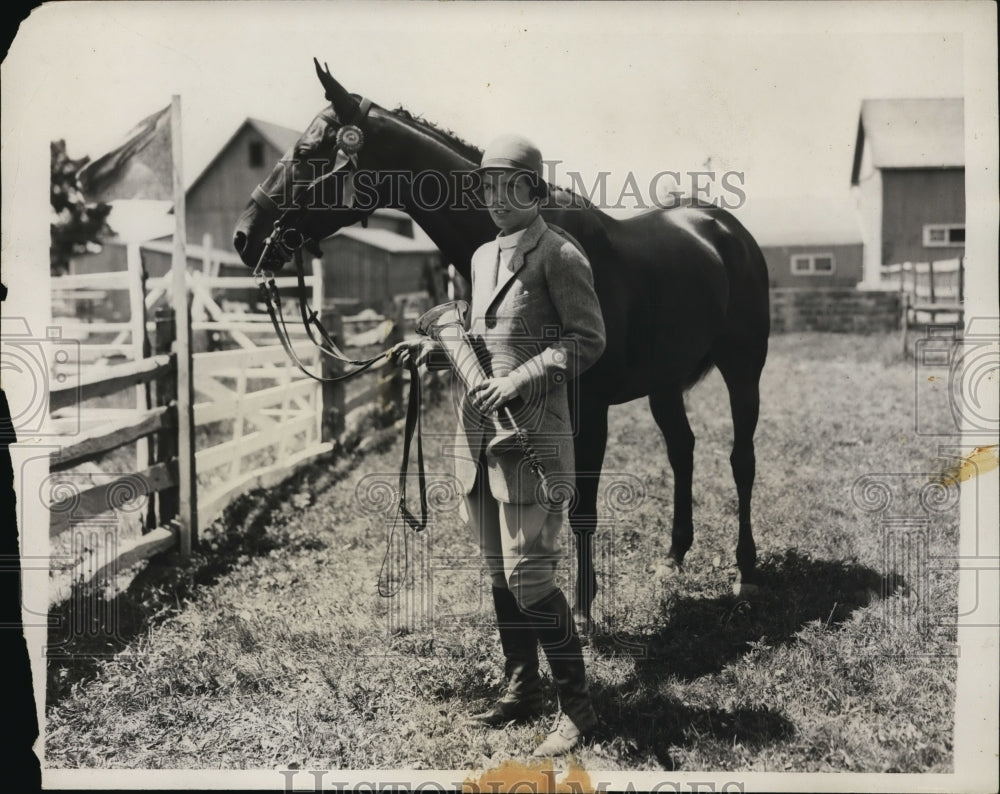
{"x": 291, "y": 241}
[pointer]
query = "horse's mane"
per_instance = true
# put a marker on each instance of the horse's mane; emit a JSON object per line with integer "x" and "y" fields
{"x": 466, "y": 149}
{"x": 447, "y": 137}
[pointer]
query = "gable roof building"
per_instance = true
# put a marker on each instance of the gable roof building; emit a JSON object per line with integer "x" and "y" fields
{"x": 807, "y": 241}
{"x": 908, "y": 176}
{"x": 219, "y": 193}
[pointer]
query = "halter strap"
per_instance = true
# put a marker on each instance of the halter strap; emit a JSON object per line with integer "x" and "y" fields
{"x": 260, "y": 196}
{"x": 264, "y": 201}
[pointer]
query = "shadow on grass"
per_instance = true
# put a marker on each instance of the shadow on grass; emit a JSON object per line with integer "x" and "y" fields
{"x": 89, "y": 627}
{"x": 662, "y": 723}
{"x": 702, "y": 636}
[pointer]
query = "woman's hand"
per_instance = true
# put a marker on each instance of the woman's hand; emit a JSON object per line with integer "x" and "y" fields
{"x": 492, "y": 394}
{"x": 404, "y": 352}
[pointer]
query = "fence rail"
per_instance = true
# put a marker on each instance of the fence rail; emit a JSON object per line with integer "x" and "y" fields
{"x": 98, "y": 441}
{"x": 931, "y": 294}
{"x": 255, "y": 416}
{"x": 75, "y": 390}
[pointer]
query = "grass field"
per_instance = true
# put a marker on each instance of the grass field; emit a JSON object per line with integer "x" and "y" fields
{"x": 273, "y": 649}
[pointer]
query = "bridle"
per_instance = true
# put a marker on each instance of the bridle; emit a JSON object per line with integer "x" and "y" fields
{"x": 286, "y": 241}
{"x": 285, "y": 237}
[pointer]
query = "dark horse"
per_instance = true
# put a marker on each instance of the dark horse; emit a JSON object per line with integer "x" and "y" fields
{"x": 681, "y": 290}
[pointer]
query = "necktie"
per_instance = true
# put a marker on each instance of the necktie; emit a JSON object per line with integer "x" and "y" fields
{"x": 496, "y": 271}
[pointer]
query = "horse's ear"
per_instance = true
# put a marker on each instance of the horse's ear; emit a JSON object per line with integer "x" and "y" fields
{"x": 344, "y": 105}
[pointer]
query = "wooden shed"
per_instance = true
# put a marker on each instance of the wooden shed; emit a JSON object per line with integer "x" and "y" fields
{"x": 370, "y": 265}
{"x": 812, "y": 242}
{"x": 220, "y": 192}
{"x": 908, "y": 176}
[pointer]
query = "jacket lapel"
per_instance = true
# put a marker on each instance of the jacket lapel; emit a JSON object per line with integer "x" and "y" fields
{"x": 527, "y": 243}
{"x": 482, "y": 284}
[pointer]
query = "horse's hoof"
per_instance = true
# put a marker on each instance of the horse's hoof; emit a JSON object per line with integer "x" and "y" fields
{"x": 745, "y": 590}
{"x": 583, "y": 622}
{"x": 668, "y": 569}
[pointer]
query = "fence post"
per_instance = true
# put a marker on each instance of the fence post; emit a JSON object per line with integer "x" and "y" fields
{"x": 930, "y": 279}
{"x": 140, "y": 342}
{"x": 334, "y": 397}
{"x": 166, "y": 440}
{"x": 389, "y": 385}
{"x": 961, "y": 280}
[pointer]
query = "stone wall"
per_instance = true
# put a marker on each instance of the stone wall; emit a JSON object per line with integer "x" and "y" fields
{"x": 838, "y": 310}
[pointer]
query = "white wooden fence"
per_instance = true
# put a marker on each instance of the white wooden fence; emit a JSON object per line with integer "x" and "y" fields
{"x": 256, "y": 415}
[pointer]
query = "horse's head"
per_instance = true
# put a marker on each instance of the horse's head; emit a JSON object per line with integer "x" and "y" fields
{"x": 310, "y": 194}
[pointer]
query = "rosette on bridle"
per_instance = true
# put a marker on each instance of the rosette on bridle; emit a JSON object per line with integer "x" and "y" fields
{"x": 350, "y": 139}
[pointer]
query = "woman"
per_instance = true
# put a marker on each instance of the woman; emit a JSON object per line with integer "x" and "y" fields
{"x": 536, "y": 323}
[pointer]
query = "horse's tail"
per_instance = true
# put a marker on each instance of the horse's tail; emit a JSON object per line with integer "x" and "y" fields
{"x": 699, "y": 372}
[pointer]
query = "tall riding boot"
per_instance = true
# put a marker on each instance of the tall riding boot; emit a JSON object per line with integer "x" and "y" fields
{"x": 523, "y": 698}
{"x": 556, "y": 631}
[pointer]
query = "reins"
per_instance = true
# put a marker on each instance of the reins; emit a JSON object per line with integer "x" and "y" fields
{"x": 289, "y": 240}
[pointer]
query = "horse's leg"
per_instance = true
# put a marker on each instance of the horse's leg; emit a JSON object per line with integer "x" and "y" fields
{"x": 668, "y": 411}
{"x": 742, "y": 377}
{"x": 590, "y": 444}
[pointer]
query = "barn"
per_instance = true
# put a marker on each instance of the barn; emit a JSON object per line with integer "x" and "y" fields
{"x": 812, "y": 242}
{"x": 362, "y": 266}
{"x": 908, "y": 177}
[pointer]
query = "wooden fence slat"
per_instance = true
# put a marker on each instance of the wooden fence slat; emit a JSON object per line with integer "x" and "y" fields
{"x": 246, "y": 326}
{"x": 218, "y": 410}
{"x": 201, "y": 292}
{"x": 99, "y": 440}
{"x": 196, "y": 252}
{"x": 111, "y": 280}
{"x": 73, "y": 326}
{"x": 223, "y": 453}
{"x": 363, "y": 397}
{"x": 237, "y": 282}
{"x": 214, "y": 390}
{"x": 95, "y": 500}
{"x": 114, "y": 379}
{"x": 87, "y": 353}
{"x": 158, "y": 540}
{"x": 214, "y": 503}
{"x": 276, "y": 372}
{"x": 212, "y": 361}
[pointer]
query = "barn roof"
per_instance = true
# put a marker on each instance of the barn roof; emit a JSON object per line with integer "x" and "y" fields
{"x": 911, "y": 133}
{"x": 282, "y": 138}
{"x": 387, "y": 240}
{"x": 801, "y": 221}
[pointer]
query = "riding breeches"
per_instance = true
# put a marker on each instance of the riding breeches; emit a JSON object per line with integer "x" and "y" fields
{"x": 520, "y": 542}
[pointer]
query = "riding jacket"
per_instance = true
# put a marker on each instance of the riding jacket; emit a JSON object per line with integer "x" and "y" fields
{"x": 538, "y": 321}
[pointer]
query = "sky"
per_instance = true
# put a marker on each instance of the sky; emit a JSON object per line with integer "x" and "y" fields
{"x": 772, "y": 90}
{"x": 769, "y": 90}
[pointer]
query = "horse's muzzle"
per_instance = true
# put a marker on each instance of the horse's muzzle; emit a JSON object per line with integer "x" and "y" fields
{"x": 240, "y": 242}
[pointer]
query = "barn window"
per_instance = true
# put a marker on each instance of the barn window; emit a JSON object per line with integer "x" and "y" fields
{"x": 940, "y": 235}
{"x": 813, "y": 264}
{"x": 256, "y": 154}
